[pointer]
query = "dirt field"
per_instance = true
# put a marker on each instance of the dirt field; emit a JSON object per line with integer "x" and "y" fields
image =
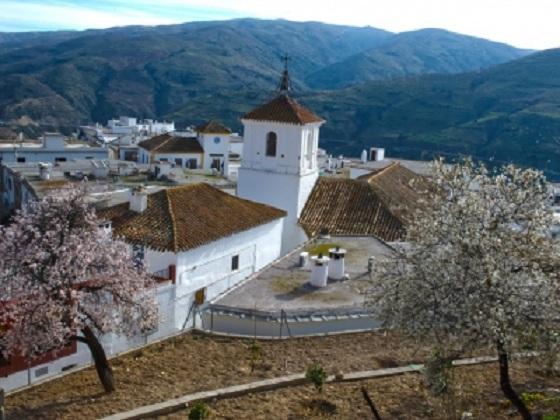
{"x": 195, "y": 362}
{"x": 405, "y": 397}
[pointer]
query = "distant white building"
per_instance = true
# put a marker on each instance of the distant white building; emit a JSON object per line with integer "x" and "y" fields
{"x": 208, "y": 149}
{"x": 21, "y": 183}
{"x": 130, "y": 125}
{"x": 215, "y": 141}
{"x": 54, "y": 148}
{"x": 183, "y": 152}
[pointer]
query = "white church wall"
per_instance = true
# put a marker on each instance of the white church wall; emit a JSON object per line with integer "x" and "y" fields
{"x": 286, "y": 192}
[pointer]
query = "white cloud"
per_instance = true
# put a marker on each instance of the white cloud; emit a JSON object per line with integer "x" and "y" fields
{"x": 56, "y": 16}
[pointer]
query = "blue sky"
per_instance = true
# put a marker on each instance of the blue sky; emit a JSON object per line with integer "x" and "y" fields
{"x": 523, "y": 23}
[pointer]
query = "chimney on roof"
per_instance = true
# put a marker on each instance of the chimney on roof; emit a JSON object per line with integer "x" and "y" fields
{"x": 138, "y": 199}
{"x": 44, "y": 171}
{"x": 336, "y": 266}
{"x": 320, "y": 270}
{"x": 363, "y": 158}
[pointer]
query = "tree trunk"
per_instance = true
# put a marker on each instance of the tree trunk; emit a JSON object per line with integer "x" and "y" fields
{"x": 104, "y": 371}
{"x": 370, "y": 403}
{"x": 505, "y": 383}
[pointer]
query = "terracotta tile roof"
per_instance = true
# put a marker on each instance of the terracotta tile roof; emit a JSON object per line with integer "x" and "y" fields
{"x": 166, "y": 143}
{"x": 283, "y": 109}
{"x": 348, "y": 207}
{"x": 213, "y": 127}
{"x": 186, "y": 217}
{"x": 398, "y": 187}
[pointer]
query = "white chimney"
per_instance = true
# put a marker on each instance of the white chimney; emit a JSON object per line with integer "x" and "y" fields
{"x": 138, "y": 199}
{"x": 336, "y": 266}
{"x": 376, "y": 154}
{"x": 44, "y": 171}
{"x": 303, "y": 259}
{"x": 319, "y": 270}
{"x": 363, "y": 158}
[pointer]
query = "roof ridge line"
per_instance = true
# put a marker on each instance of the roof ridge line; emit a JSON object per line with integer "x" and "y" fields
{"x": 164, "y": 142}
{"x": 173, "y": 224}
{"x": 382, "y": 171}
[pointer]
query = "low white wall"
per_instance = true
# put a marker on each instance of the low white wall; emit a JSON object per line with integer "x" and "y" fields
{"x": 248, "y": 326}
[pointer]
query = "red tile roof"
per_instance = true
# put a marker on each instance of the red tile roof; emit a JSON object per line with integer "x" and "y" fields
{"x": 379, "y": 204}
{"x": 398, "y": 187}
{"x": 182, "y": 218}
{"x": 283, "y": 109}
{"x": 167, "y": 143}
{"x": 348, "y": 207}
{"x": 213, "y": 127}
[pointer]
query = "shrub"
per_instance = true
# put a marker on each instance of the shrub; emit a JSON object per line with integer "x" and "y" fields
{"x": 317, "y": 375}
{"x": 199, "y": 411}
{"x": 255, "y": 354}
{"x": 437, "y": 374}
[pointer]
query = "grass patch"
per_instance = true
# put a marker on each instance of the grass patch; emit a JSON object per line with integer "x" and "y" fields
{"x": 284, "y": 285}
{"x": 317, "y": 249}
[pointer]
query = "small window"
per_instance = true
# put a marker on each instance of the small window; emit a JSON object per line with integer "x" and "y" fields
{"x": 271, "y": 140}
{"x": 21, "y": 160}
{"x": 179, "y": 162}
{"x": 235, "y": 263}
{"x": 60, "y": 159}
{"x": 41, "y": 371}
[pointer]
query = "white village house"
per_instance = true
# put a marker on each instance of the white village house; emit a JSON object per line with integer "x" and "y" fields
{"x": 53, "y": 149}
{"x": 208, "y": 150}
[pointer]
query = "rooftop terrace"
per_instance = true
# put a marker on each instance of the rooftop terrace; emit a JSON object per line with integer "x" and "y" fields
{"x": 285, "y": 286}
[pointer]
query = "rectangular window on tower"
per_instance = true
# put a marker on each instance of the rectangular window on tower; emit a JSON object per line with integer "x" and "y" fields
{"x": 235, "y": 263}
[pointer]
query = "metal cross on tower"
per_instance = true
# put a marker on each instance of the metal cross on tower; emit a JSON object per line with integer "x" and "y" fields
{"x": 285, "y": 84}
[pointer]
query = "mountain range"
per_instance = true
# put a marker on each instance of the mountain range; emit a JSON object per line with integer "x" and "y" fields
{"x": 418, "y": 93}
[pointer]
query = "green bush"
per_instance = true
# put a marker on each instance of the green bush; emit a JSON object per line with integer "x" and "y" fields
{"x": 437, "y": 374}
{"x": 255, "y": 354}
{"x": 199, "y": 411}
{"x": 317, "y": 375}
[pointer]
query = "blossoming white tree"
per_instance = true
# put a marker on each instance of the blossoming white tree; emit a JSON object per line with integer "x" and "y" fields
{"x": 64, "y": 279}
{"x": 479, "y": 267}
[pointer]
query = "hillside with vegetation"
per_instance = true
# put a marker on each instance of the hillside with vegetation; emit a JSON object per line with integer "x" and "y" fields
{"x": 149, "y": 72}
{"x": 425, "y": 51}
{"x": 60, "y": 79}
{"x": 510, "y": 113}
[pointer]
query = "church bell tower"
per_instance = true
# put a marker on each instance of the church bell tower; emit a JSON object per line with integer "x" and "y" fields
{"x": 279, "y": 166}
